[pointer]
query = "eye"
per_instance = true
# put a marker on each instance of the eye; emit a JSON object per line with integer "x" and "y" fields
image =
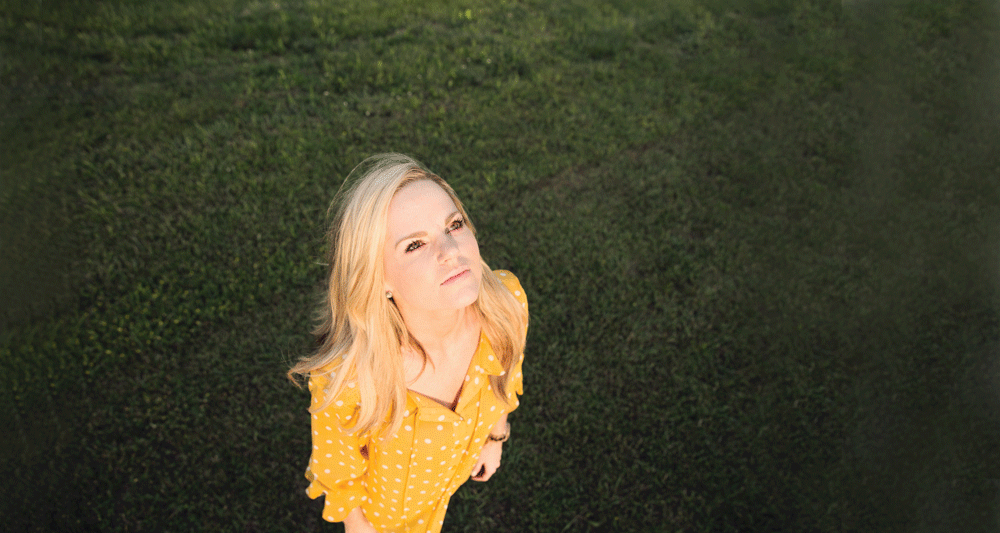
{"x": 456, "y": 224}
{"x": 413, "y": 246}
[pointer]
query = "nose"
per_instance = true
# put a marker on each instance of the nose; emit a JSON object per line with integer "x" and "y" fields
{"x": 448, "y": 248}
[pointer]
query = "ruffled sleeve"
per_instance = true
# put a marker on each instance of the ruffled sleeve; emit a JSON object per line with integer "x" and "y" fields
{"x": 514, "y": 286}
{"x": 338, "y": 463}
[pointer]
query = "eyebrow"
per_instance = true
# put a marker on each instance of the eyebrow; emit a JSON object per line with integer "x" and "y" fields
{"x": 422, "y": 233}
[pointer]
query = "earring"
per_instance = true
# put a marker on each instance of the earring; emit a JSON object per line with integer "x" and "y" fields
{"x": 388, "y": 294}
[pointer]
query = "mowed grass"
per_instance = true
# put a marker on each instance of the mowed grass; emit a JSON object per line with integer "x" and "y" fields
{"x": 759, "y": 241}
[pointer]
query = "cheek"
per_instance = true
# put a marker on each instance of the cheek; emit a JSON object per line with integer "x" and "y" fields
{"x": 395, "y": 273}
{"x": 388, "y": 272}
{"x": 472, "y": 247}
{"x": 409, "y": 277}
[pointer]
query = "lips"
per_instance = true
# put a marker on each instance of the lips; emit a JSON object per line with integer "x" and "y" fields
{"x": 458, "y": 275}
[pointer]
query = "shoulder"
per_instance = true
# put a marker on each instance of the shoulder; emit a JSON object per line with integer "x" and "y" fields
{"x": 346, "y": 399}
{"x": 512, "y": 284}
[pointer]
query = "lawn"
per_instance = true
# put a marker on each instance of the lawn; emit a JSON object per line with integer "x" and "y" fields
{"x": 760, "y": 241}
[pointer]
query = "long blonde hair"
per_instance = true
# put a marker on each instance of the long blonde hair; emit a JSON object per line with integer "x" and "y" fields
{"x": 361, "y": 333}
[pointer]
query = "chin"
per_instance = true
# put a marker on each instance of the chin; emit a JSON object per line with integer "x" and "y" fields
{"x": 468, "y": 300}
{"x": 466, "y": 297}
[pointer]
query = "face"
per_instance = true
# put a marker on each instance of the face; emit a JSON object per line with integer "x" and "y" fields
{"x": 431, "y": 257}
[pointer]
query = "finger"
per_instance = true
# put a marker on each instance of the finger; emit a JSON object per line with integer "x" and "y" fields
{"x": 483, "y": 474}
{"x": 486, "y": 474}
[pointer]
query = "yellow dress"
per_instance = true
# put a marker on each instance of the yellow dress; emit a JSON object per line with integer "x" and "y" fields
{"x": 404, "y": 483}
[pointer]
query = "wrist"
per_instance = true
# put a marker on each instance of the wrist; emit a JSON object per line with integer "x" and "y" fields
{"x": 500, "y": 437}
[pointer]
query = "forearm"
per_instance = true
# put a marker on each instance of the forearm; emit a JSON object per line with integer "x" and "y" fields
{"x": 356, "y": 521}
{"x": 500, "y": 428}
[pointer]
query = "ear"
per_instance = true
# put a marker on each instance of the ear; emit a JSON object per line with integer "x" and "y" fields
{"x": 388, "y": 290}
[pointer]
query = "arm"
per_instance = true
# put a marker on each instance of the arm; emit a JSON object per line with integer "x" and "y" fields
{"x": 489, "y": 457}
{"x": 338, "y": 463}
{"x": 356, "y": 522}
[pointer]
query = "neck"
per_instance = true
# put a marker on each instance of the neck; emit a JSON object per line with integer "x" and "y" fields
{"x": 439, "y": 332}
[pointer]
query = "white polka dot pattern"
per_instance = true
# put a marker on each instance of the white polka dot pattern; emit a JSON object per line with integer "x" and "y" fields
{"x": 442, "y": 446}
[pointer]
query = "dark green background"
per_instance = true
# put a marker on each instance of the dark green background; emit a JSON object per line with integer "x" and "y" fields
{"x": 760, "y": 242}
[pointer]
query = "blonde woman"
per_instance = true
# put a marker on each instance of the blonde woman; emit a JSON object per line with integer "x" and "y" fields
{"x": 419, "y": 358}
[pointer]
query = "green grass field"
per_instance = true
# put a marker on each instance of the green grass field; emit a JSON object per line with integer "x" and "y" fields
{"x": 761, "y": 242}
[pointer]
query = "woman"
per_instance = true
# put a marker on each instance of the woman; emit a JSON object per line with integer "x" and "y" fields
{"x": 420, "y": 354}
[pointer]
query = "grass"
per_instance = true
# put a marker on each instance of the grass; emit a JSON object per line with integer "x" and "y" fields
{"x": 758, "y": 239}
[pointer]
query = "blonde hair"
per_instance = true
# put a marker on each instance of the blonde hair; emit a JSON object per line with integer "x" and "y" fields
{"x": 361, "y": 333}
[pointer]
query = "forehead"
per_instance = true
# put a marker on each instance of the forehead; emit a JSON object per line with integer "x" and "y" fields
{"x": 420, "y": 201}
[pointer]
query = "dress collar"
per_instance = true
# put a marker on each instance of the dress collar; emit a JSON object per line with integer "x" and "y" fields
{"x": 485, "y": 361}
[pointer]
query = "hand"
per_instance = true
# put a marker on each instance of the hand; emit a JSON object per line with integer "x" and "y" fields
{"x": 356, "y": 522}
{"x": 489, "y": 461}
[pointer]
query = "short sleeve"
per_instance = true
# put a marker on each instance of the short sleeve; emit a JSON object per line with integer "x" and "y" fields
{"x": 338, "y": 464}
{"x": 514, "y": 286}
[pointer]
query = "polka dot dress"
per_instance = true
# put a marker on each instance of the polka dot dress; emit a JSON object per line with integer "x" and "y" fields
{"x": 404, "y": 483}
